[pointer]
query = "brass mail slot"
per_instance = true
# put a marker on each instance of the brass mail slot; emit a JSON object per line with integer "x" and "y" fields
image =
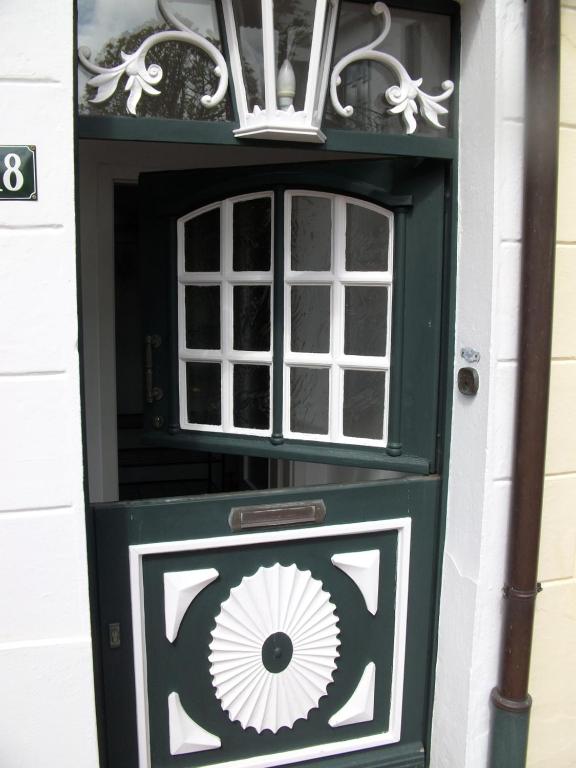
{"x": 292, "y": 513}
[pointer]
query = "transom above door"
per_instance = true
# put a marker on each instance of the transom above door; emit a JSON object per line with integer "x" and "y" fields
{"x": 295, "y": 312}
{"x": 333, "y": 371}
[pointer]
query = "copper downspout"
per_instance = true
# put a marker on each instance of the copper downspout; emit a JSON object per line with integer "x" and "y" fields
{"x": 538, "y": 244}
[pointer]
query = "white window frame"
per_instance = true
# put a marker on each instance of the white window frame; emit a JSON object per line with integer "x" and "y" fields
{"x": 338, "y": 278}
{"x": 335, "y": 360}
{"x": 226, "y": 278}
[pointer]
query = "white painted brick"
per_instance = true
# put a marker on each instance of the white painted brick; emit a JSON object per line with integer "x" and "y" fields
{"x": 509, "y": 180}
{"x": 558, "y": 543}
{"x": 36, "y": 40}
{"x": 560, "y": 445}
{"x": 37, "y": 301}
{"x": 41, "y": 115}
{"x": 568, "y": 68}
{"x": 512, "y": 51}
{"x": 503, "y": 415}
{"x": 552, "y": 737}
{"x": 47, "y": 709}
{"x": 40, "y": 451}
{"x": 42, "y": 594}
{"x": 566, "y": 221}
{"x": 508, "y": 301}
{"x": 563, "y": 337}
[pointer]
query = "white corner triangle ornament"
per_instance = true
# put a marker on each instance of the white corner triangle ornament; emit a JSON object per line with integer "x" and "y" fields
{"x": 360, "y": 706}
{"x": 180, "y": 589}
{"x": 364, "y": 570}
{"x": 142, "y": 78}
{"x": 186, "y": 736}
{"x": 279, "y": 600}
{"x": 406, "y": 98}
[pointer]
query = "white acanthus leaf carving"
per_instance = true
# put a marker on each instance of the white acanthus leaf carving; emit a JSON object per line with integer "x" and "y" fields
{"x": 186, "y": 736}
{"x": 360, "y": 706}
{"x": 364, "y": 570}
{"x": 406, "y": 98}
{"x": 180, "y": 589}
{"x": 279, "y": 599}
{"x": 142, "y": 78}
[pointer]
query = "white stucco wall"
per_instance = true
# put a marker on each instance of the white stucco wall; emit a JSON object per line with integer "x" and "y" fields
{"x": 46, "y": 689}
{"x": 493, "y": 34}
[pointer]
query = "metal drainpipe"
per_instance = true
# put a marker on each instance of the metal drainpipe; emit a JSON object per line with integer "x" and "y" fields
{"x": 511, "y": 701}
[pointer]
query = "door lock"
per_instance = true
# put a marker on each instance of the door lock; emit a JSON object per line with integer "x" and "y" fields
{"x": 468, "y": 381}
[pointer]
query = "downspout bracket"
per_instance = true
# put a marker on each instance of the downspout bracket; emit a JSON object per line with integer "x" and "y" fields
{"x": 510, "y": 705}
{"x": 511, "y": 593}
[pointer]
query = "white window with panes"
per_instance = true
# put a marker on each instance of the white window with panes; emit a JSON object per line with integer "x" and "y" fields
{"x": 334, "y": 306}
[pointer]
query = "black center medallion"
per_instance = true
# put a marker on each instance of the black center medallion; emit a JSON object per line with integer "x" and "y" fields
{"x": 277, "y": 652}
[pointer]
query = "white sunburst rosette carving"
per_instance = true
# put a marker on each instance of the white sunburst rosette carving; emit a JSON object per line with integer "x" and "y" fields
{"x": 278, "y": 599}
{"x": 406, "y": 98}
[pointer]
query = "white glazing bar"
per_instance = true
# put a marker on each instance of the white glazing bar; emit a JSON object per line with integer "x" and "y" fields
{"x": 226, "y": 313}
{"x": 315, "y": 54}
{"x": 182, "y": 394}
{"x": 337, "y": 318}
{"x": 269, "y": 57}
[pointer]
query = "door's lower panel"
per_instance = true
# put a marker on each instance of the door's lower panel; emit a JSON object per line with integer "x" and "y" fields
{"x": 277, "y": 647}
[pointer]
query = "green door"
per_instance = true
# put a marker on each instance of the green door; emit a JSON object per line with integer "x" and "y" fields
{"x": 291, "y": 313}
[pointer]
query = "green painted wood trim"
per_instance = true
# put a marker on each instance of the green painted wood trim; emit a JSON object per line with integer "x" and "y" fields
{"x": 405, "y": 756}
{"x": 509, "y": 738}
{"x": 220, "y": 132}
{"x": 338, "y": 140}
{"x": 278, "y": 320}
{"x": 394, "y": 447}
{"x": 343, "y": 455}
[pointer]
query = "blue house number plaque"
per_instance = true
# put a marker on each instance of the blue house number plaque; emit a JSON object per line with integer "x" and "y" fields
{"x": 18, "y": 172}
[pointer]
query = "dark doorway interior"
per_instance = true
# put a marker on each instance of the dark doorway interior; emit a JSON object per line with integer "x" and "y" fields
{"x": 146, "y": 471}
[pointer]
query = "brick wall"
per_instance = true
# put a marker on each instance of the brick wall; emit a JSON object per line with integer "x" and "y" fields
{"x": 553, "y": 674}
{"x": 46, "y": 690}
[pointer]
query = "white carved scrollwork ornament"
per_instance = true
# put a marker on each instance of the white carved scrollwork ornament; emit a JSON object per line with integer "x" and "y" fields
{"x": 406, "y": 98}
{"x": 274, "y": 648}
{"x": 142, "y": 78}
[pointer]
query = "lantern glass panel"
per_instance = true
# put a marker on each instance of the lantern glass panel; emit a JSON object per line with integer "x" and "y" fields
{"x": 293, "y": 25}
{"x": 248, "y": 19}
{"x": 421, "y": 41}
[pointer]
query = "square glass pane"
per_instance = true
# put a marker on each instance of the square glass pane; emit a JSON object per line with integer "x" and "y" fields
{"x": 203, "y": 393}
{"x": 309, "y": 400}
{"x": 252, "y": 241}
{"x": 363, "y": 414}
{"x": 310, "y": 318}
{"x": 202, "y": 316}
{"x": 252, "y": 317}
{"x": 311, "y": 233}
{"x": 365, "y": 320}
{"x": 367, "y": 240}
{"x": 202, "y": 242}
{"x": 109, "y": 28}
{"x": 252, "y": 396}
